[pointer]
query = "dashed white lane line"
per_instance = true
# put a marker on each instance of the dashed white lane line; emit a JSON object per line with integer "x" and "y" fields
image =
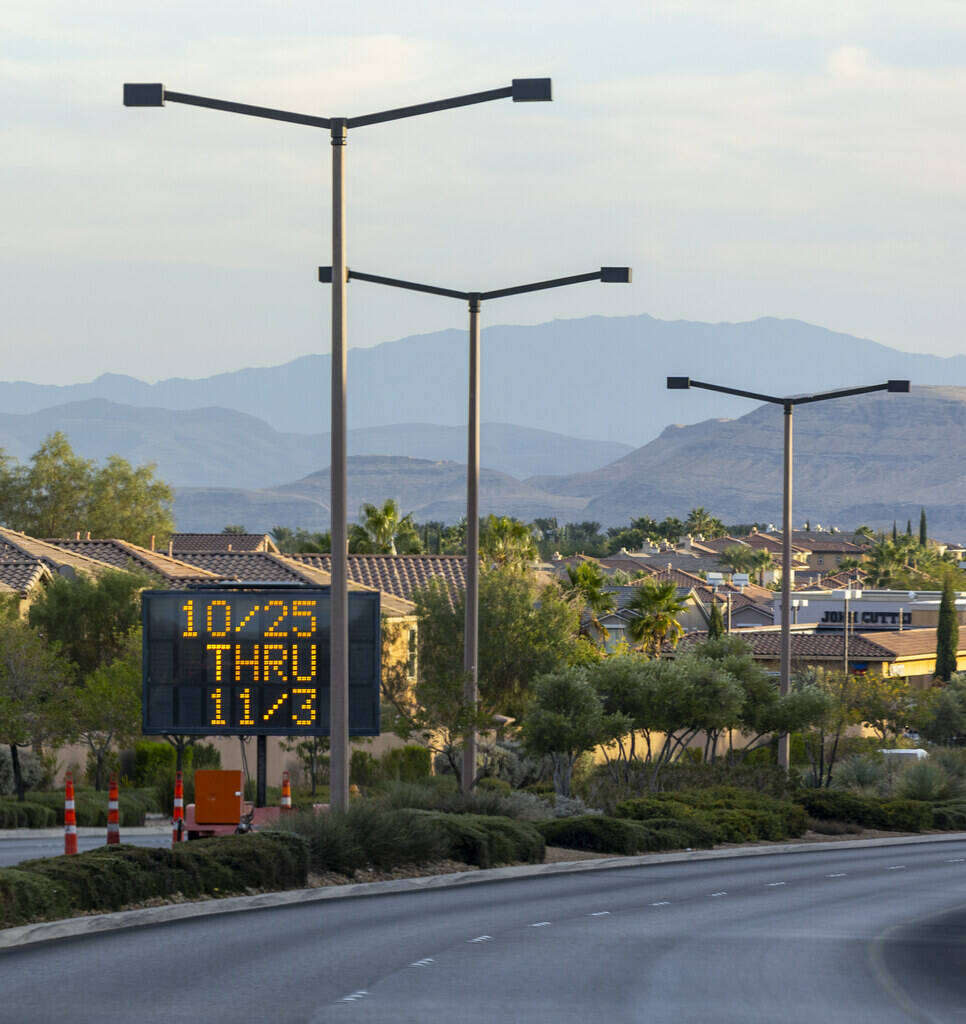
{"x": 361, "y": 994}
{"x": 661, "y": 903}
{"x": 481, "y": 938}
{"x": 540, "y": 924}
{"x": 896, "y": 867}
{"x": 769, "y": 885}
{"x": 956, "y": 860}
{"x": 599, "y": 913}
{"x": 423, "y": 963}
{"x": 838, "y": 874}
{"x": 722, "y": 893}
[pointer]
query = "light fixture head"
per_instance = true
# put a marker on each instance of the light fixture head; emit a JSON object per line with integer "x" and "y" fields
{"x": 143, "y": 94}
{"x": 615, "y": 275}
{"x": 531, "y": 90}
{"x": 325, "y": 275}
{"x": 898, "y": 386}
{"x": 678, "y": 383}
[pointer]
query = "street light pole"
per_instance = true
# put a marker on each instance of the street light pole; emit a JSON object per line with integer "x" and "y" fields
{"x": 788, "y": 403}
{"x": 608, "y": 275}
{"x": 153, "y": 94}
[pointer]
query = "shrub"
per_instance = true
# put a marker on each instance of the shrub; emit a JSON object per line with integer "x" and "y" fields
{"x": 26, "y": 897}
{"x": 486, "y": 840}
{"x": 640, "y": 808}
{"x": 925, "y": 780}
{"x": 363, "y": 768}
{"x": 870, "y": 812}
{"x": 406, "y": 764}
{"x": 91, "y": 806}
{"x": 949, "y": 818}
{"x": 865, "y": 773}
{"x": 691, "y": 833}
{"x": 494, "y": 785}
{"x": 594, "y": 832}
{"x": 153, "y": 758}
{"x": 28, "y": 814}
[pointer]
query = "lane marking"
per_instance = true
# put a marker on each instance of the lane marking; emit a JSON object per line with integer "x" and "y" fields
{"x": 599, "y": 913}
{"x": 423, "y": 963}
{"x": 361, "y": 994}
{"x": 956, "y": 860}
{"x": 838, "y": 874}
{"x": 481, "y": 938}
{"x": 896, "y": 867}
{"x": 662, "y": 903}
{"x": 770, "y": 884}
{"x": 540, "y": 924}
{"x": 722, "y": 893}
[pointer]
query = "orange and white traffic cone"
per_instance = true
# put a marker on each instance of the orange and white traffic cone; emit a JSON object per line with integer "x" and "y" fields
{"x": 70, "y": 816}
{"x": 177, "y": 820}
{"x": 286, "y": 793}
{"x": 113, "y": 820}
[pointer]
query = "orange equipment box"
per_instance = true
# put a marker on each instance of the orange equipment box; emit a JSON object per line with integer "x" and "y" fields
{"x": 218, "y": 797}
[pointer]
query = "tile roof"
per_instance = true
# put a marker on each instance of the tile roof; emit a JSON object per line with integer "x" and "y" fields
{"x": 52, "y": 556}
{"x": 19, "y": 575}
{"x": 123, "y": 555}
{"x": 399, "y": 575}
{"x": 182, "y": 543}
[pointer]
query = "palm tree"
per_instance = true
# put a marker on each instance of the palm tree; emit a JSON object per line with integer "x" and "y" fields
{"x": 507, "y": 542}
{"x": 656, "y": 607}
{"x": 737, "y": 557}
{"x": 761, "y": 561}
{"x": 585, "y": 587}
{"x": 382, "y": 531}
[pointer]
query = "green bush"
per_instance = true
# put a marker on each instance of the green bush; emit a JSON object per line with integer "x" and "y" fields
{"x": 90, "y": 806}
{"x": 406, "y": 764}
{"x": 112, "y": 877}
{"x": 363, "y": 769}
{"x": 486, "y": 840}
{"x": 594, "y": 832}
{"x": 28, "y": 814}
{"x": 870, "y": 812}
{"x": 153, "y": 758}
{"x": 906, "y": 815}
{"x": 640, "y": 808}
{"x": 926, "y": 780}
{"x": 494, "y": 785}
{"x": 951, "y": 817}
{"x": 684, "y": 833}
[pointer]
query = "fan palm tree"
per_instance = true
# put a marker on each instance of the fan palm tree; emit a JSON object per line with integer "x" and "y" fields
{"x": 737, "y": 557}
{"x": 585, "y": 588}
{"x": 507, "y": 542}
{"x": 382, "y": 531}
{"x": 656, "y": 607}
{"x": 761, "y": 561}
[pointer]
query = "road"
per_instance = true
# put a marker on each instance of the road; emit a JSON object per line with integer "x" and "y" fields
{"x": 828, "y": 934}
{"x": 26, "y": 844}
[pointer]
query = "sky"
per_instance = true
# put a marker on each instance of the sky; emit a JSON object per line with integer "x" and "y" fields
{"x": 747, "y": 158}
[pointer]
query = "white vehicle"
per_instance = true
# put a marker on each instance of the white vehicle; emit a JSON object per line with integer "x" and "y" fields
{"x": 904, "y": 754}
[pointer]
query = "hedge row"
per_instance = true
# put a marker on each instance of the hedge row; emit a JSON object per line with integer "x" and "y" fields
{"x": 600, "y": 834}
{"x": 29, "y": 814}
{"x": 109, "y": 878}
{"x": 486, "y": 840}
{"x": 728, "y": 814}
{"x": 91, "y": 806}
{"x": 868, "y": 811}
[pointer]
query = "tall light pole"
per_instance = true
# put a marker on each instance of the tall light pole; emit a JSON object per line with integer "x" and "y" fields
{"x": 608, "y": 275}
{"x": 788, "y": 404}
{"x": 521, "y": 90}
{"x": 848, "y": 594}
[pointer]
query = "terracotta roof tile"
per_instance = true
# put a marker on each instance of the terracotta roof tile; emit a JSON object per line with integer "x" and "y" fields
{"x": 123, "y": 555}
{"x": 880, "y": 646}
{"x": 19, "y": 575}
{"x": 399, "y": 575}
{"x": 183, "y": 543}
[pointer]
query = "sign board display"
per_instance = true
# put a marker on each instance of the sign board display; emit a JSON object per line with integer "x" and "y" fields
{"x": 252, "y": 662}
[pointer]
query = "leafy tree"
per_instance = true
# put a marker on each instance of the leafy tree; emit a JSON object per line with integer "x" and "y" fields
{"x": 843, "y": 708}
{"x": 523, "y": 633}
{"x": 585, "y": 589}
{"x": 506, "y": 543}
{"x": 656, "y": 607}
{"x": 940, "y": 713}
{"x": 566, "y": 719}
{"x": 234, "y": 529}
{"x": 886, "y": 706}
{"x": 89, "y": 620}
{"x": 301, "y": 541}
{"x": 59, "y": 493}
{"x": 670, "y": 529}
{"x": 35, "y": 694}
{"x": 310, "y": 751}
{"x": 947, "y": 633}
{"x": 108, "y": 704}
{"x": 383, "y": 531}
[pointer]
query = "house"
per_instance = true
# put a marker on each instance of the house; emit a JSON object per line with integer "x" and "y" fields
{"x": 194, "y": 543}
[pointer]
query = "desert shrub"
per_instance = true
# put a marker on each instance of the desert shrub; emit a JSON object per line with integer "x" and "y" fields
{"x": 31, "y": 767}
{"x": 684, "y": 833}
{"x": 906, "y": 815}
{"x": 949, "y": 817}
{"x": 897, "y": 815}
{"x": 640, "y": 808}
{"x": 406, "y": 764}
{"x": 594, "y": 832}
{"x": 450, "y": 800}
{"x": 486, "y": 840}
{"x": 926, "y": 780}
{"x": 865, "y": 773}
{"x": 729, "y": 826}
{"x": 832, "y": 828}
{"x": 491, "y": 784}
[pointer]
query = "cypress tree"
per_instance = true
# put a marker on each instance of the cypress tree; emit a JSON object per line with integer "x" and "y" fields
{"x": 947, "y": 633}
{"x": 716, "y": 626}
{"x": 908, "y": 527}
{"x": 895, "y": 532}
{"x": 923, "y": 536}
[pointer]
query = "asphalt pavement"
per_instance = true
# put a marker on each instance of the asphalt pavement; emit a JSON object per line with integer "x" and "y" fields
{"x": 21, "y": 844}
{"x": 829, "y": 933}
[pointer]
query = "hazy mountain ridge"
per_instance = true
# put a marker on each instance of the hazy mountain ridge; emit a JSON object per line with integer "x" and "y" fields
{"x": 596, "y": 377}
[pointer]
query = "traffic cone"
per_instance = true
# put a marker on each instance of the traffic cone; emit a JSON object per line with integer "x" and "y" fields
{"x": 70, "y": 816}
{"x": 113, "y": 820}
{"x": 177, "y": 820}
{"x": 286, "y": 793}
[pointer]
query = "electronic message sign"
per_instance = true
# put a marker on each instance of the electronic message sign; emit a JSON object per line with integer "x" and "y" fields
{"x": 249, "y": 662}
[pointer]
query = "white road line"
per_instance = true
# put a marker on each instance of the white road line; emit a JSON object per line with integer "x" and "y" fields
{"x": 599, "y": 913}
{"x": 956, "y": 860}
{"x": 770, "y": 884}
{"x": 662, "y": 903}
{"x": 838, "y": 874}
{"x": 896, "y": 867}
{"x": 540, "y": 924}
{"x": 481, "y": 938}
{"x": 362, "y": 993}
{"x": 722, "y": 893}
{"x": 423, "y": 963}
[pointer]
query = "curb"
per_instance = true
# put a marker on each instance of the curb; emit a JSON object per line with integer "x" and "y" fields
{"x": 48, "y": 931}
{"x": 85, "y": 830}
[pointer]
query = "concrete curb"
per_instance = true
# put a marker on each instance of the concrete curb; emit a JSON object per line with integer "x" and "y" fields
{"x": 75, "y": 926}
{"x": 58, "y": 833}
